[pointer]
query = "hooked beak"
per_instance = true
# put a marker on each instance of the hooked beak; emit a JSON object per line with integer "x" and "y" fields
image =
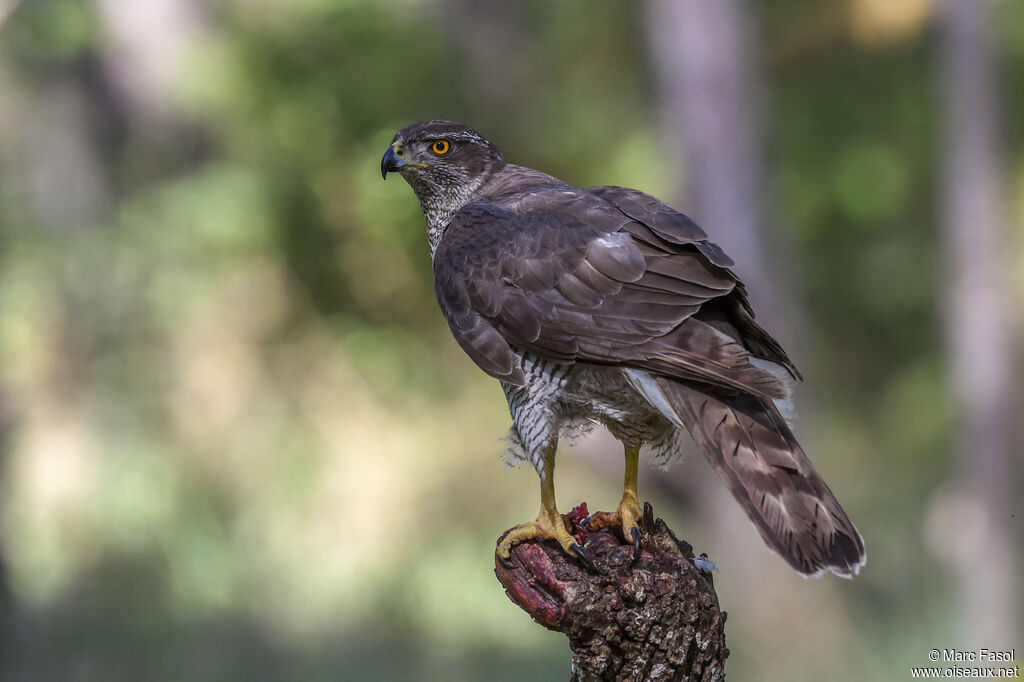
{"x": 394, "y": 161}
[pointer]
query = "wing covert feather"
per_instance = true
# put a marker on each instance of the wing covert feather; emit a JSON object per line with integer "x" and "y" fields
{"x": 603, "y": 275}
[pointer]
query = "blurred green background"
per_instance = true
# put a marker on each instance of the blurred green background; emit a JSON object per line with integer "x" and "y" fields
{"x": 236, "y": 438}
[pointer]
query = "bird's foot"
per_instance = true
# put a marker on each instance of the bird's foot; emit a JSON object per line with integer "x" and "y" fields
{"x": 625, "y": 517}
{"x": 547, "y": 526}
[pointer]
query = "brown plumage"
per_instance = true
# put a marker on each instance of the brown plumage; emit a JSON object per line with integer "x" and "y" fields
{"x": 607, "y": 304}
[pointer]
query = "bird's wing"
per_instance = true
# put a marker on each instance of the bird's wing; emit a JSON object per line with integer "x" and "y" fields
{"x": 601, "y": 275}
{"x": 655, "y": 220}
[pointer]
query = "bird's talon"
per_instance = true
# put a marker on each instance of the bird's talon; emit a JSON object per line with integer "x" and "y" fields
{"x": 549, "y": 525}
{"x": 625, "y": 518}
{"x": 583, "y": 556}
{"x": 505, "y": 561}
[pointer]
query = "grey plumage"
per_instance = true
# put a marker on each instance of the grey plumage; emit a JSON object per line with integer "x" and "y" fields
{"x": 606, "y": 304}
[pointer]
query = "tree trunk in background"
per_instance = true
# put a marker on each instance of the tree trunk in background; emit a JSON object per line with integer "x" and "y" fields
{"x": 496, "y": 73}
{"x": 144, "y": 49}
{"x": 976, "y": 307}
{"x": 710, "y": 110}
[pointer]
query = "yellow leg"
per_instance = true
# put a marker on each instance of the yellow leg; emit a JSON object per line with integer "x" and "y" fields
{"x": 628, "y": 512}
{"x": 629, "y": 507}
{"x": 549, "y": 523}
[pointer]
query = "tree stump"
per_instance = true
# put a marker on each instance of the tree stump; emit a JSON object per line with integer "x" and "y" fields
{"x": 653, "y": 619}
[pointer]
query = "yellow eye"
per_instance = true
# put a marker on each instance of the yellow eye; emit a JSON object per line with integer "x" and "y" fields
{"x": 441, "y": 147}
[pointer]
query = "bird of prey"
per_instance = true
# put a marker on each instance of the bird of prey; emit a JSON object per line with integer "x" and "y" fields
{"x": 604, "y": 304}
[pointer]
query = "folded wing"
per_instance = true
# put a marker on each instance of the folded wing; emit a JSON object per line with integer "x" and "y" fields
{"x": 603, "y": 275}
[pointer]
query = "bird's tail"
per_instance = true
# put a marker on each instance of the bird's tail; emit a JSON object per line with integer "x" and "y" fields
{"x": 756, "y": 455}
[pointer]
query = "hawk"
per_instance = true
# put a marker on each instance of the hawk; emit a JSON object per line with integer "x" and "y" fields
{"x": 604, "y": 304}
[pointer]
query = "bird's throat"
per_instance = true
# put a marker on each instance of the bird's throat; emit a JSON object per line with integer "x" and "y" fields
{"x": 440, "y": 202}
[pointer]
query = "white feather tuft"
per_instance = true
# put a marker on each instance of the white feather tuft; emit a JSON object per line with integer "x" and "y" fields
{"x": 646, "y": 386}
{"x": 785, "y": 406}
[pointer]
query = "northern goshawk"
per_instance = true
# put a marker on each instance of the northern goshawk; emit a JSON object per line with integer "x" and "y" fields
{"x": 604, "y": 304}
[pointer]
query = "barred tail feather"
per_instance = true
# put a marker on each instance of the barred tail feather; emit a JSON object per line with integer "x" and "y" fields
{"x": 754, "y": 452}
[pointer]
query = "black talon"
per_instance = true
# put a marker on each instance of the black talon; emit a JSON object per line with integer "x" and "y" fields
{"x": 635, "y": 532}
{"x": 583, "y": 557}
{"x": 505, "y": 562}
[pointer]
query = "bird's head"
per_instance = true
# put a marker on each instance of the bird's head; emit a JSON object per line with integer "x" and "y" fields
{"x": 444, "y": 162}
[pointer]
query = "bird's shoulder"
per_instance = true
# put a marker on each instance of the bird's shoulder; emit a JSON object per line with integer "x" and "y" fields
{"x": 524, "y": 207}
{"x": 537, "y": 218}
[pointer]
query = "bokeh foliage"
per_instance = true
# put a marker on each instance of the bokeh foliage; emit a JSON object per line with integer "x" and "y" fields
{"x": 238, "y": 441}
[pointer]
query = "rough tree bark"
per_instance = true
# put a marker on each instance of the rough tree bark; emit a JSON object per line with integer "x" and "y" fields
{"x": 653, "y": 619}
